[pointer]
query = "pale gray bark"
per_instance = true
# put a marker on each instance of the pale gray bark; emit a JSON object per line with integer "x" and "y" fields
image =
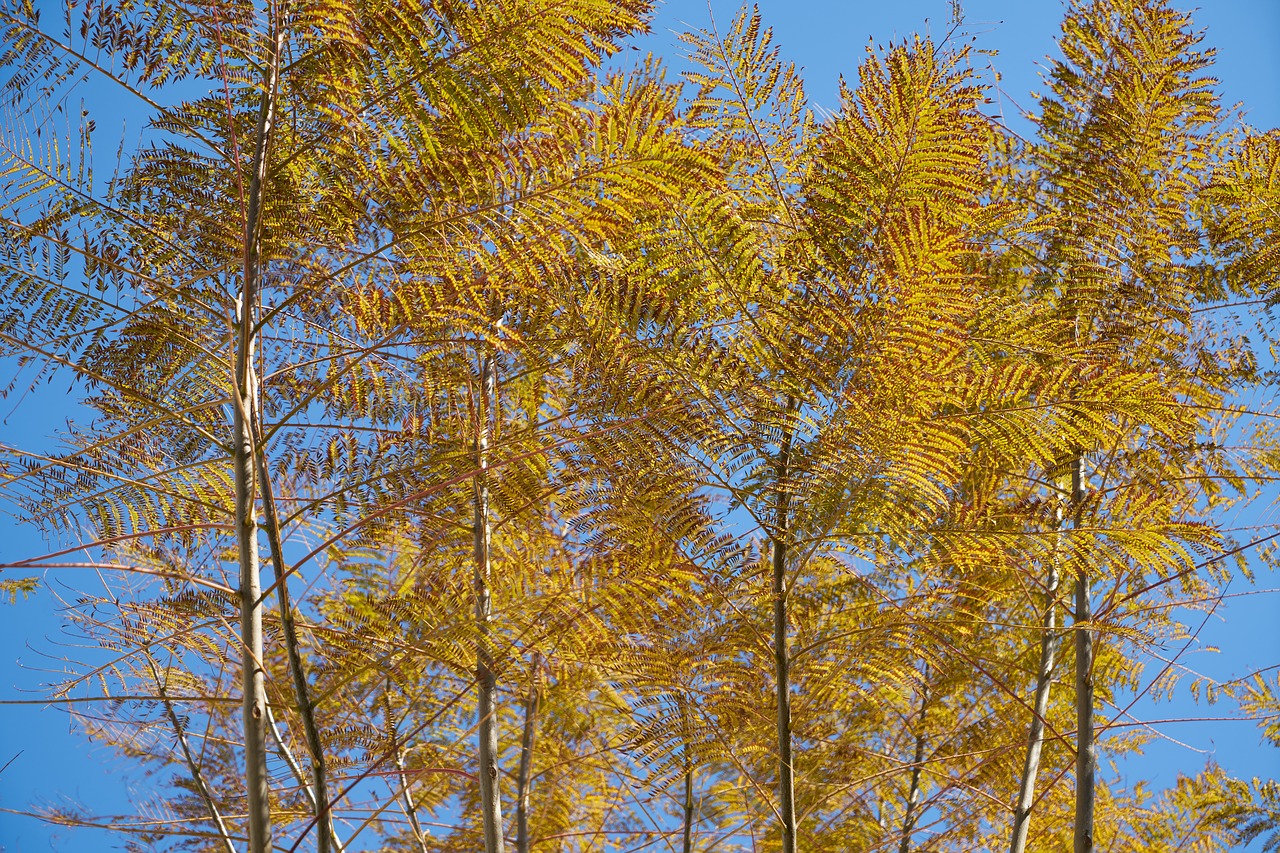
{"x": 1044, "y": 681}
{"x": 1086, "y": 754}
{"x": 781, "y": 652}
{"x": 486, "y": 685}
{"x": 524, "y": 778}
{"x": 243, "y": 456}
{"x": 253, "y": 678}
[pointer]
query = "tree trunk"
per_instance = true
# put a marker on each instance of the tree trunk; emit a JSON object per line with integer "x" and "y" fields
{"x": 525, "y": 776}
{"x": 913, "y": 793}
{"x": 781, "y": 654}
{"x": 243, "y": 461}
{"x": 486, "y": 686}
{"x": 1086, "y": 755}
{"x": 327, "y": 837}
{"x": 253, "y": 679}
{"x": 686, "y": 734}
{"x": 1044, "y": 680}
{"x": 688, "y": 811}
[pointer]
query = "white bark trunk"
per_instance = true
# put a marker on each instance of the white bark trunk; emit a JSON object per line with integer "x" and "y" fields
{"x": 1044, "y": 681}
{"x": 243, "y": 461}
{"x": 253, "y": 679}
{"x": 486, "y": 685}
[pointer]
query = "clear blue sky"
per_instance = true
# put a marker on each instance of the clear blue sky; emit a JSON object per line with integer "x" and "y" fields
{"x": 827, "y": 39}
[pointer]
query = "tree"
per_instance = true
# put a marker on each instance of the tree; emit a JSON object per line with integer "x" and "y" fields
{"x": 336, "y": 88}
{"x": 1128, "y": 134}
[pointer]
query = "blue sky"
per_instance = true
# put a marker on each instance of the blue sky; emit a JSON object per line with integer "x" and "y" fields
{"x": 54, "y": 764}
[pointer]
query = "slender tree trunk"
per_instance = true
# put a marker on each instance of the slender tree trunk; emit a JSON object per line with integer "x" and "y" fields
{"x": 1044, "y": 680}
{"x": 486, "y": 685}
{"x": 686, "y": 734}
{"x": 688, "y": 810}
{"x": 781, "y": 653}
{"x": 327, "y": 835}
{"x": 913, "y": 793}
{"x": 1086, "y": 754}
{"x": 525, "y": 776}
{"x": 243, "y": 460}
{"x": 253, "y": 679}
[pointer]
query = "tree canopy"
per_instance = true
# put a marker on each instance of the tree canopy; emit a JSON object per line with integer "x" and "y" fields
{"x": 547, "y": 451}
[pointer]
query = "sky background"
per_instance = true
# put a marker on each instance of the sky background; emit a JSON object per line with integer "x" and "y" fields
{"x": 49, "y": 763}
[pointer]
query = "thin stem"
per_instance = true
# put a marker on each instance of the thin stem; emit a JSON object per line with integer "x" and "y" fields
{"x": 687, "y": 734}
{"x": 688, "y": 810}
{"x": 782, "y": 662}
{"x": 301, "y": 691}
{"x": 406, "y": 796}
{"x": 287, "y": 754}
{"x": 524, "y": 777}
{"x": 909, "y": 816}
{"x": 196, "y": 776}
{"x": 1086, "y": 753}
